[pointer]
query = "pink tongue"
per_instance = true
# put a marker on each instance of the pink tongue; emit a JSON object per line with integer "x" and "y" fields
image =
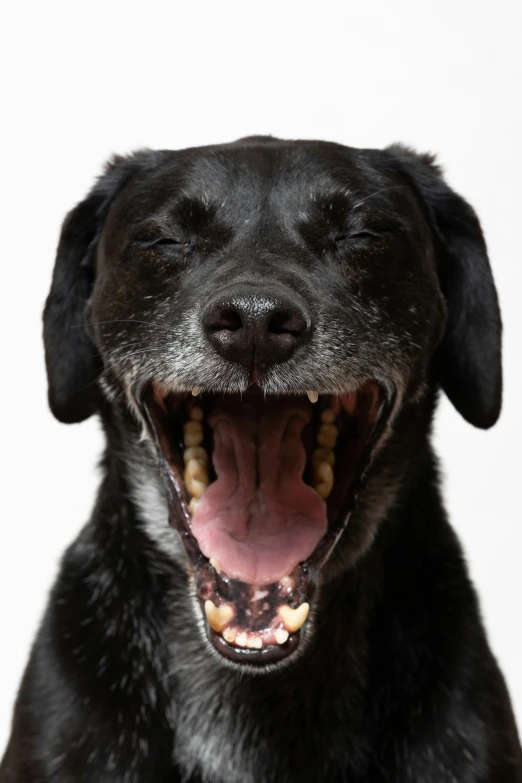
{"x": 259, "y": 519}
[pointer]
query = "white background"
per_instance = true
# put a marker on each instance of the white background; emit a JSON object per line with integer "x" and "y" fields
{"x": 84, "y": 80}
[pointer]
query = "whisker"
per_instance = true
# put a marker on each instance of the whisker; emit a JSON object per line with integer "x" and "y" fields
{"x": 123, "y": 321}
{"x": 113, "y": 364}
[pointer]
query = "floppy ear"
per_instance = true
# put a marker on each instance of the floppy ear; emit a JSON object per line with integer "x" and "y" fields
{"x": 468, "y": 360}
{"x": 72, "y": 361}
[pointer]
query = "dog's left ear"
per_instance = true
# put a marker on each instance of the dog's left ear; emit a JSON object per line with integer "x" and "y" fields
{"x": 468, "y": 360}
{"x": 71, "y": 358}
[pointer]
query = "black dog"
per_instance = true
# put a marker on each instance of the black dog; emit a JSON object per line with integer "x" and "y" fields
{"x": 268, "y": 589}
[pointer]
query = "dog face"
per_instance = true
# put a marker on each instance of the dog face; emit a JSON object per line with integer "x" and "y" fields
{"x": 277, "y": 315}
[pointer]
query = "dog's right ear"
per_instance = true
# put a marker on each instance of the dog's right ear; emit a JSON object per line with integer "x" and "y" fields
{"x": 72, "y": 361}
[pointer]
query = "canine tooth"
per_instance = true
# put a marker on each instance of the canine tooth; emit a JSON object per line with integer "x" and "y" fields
{"x": 254, "y": 642}
{"x": 196, "y": 413}
{"x": 215, "y": 565}
{"x": 327, "y": 435}
{"x": 218, "y": 616}
{"x": 323, "y": 455}
{"x": 196, "y": 452}
{"x": 193, "y": 433}
{"x": 285, "y": 580}
{"x": 281, "y": 636}
{"x": 294, "y": 618}
{"x": 328, "y": 416}
{"x": 196, "y": 390}
{"x": 241, "y": 639}
{"x": 323, "y": 479}
{"x": 312, "y": 396}
{"x": 229, "y": 635}
{"x": 194, "y": 503}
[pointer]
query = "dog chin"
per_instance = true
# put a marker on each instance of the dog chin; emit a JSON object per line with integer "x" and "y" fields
{"x": 260, "y": 489}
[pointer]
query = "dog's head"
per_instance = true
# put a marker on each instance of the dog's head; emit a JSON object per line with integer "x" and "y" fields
{"x": 278, "y": 316}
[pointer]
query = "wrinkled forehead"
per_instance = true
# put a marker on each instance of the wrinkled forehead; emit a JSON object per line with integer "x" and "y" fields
{"x": 283, "y": 182}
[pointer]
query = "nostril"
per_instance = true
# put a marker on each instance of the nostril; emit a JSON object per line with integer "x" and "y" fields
{"x": 287, "y": 322}
{"x": 223, "y": 318}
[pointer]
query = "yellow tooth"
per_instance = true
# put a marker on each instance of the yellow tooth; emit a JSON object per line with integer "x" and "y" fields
{"x": 193, "y": 433}
{"x": 294, "y": 618}
{"x": 254, "y": 642}
{"x": 312, "y": 396}
{"x": 196, "y": 390}
{"x": 194, "y": 503}
{"x": 241, "y": 639}
{"x": 196, "y": 470}
{"x": 196, "y": 414}
{"x": 229, "y": 635}
{"x": 195, "y": 488}
{"x": 324, "y": 455}
{"x": 327, "y": 436}
{"x": 215, "y": 565}
{"x": 328, "y": 416}
{"x": 323, "y": 479}
{"x": 281, "y": 636}
{"x": 218, "y": 616}
{"x": 196, "y": 452}
{"x": 196, "y": 478}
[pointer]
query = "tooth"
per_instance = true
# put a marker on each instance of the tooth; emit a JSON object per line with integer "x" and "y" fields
{"x": 196, "y": 413}
{"x": 196, "y": 452}
{"x": 328, "y": 416}
{"x": 281, "y": 636}
{"x": 195, "y": 488}
{"x": 294, "y": 618}
{"x": 194, "y": 503}
{"x": 327, "y": 436}
{"x": 241, "y": 639}
{"x": 196, "y": 478}
{"x": 285, "y": 581}
{"x": 323, "y": 479}
{"x": 229, "y": 635}
{"x": 196, "y": 390}
{"x": 215, "y": 565}
{"x": 254, "y": 642}
{"x": 196, "y": 470}
{"x": 312, "y": 396}
{"x": 218, "y": 616}
{"x": 323, "y": 455}
{"x": 193, "y": 433}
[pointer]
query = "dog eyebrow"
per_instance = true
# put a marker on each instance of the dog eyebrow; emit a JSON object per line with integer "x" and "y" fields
{"x": 378, "y": 192}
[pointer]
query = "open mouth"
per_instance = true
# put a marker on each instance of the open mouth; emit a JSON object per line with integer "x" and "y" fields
{"x": 260, "y": 489}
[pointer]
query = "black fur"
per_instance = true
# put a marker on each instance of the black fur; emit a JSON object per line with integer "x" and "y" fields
{"x": 396, "y": 682}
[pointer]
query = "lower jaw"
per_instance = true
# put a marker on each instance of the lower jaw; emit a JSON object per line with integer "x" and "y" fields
{"x": 261, "y": 624}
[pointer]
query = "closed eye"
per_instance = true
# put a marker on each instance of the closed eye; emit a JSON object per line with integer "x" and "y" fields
{"x": 340, "y": 238}
{"x": 167, "y": 242}
{"x": 160, "y": 242}
{"x": 366, "y": 234}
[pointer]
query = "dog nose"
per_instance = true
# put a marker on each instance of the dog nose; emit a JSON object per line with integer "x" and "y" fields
{"x": 256, "y": 327}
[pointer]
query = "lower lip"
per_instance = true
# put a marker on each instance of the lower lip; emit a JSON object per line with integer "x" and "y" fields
{"x": 262, "y": 657}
